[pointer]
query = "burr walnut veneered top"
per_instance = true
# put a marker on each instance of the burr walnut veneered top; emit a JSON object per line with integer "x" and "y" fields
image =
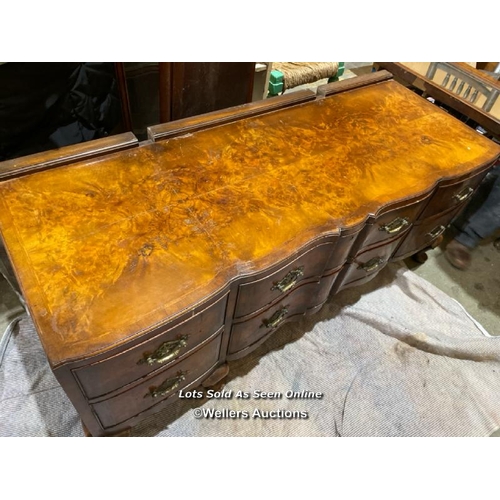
{"x": 108, "y": 247}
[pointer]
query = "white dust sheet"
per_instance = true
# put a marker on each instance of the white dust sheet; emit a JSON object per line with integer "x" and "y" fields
{"x": 395, "y": 357}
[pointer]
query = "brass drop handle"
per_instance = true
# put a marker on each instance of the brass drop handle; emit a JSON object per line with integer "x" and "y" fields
{"x": 395, "y": 226}
{"x": 276, "y": 318}
{"x": 168, "y": 386}
{"x": 463, "y": 195}
{"x": 168, "y": 350}
{"x": 437, "y": 231}
{"x": 289, "y": 280}
{"x": 372, "y": 264}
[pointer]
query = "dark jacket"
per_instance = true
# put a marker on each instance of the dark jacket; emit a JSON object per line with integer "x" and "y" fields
{"x": 48, "y": 105}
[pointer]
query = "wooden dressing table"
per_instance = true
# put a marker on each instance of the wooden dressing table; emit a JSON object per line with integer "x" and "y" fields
{"x": 146, "y": 267}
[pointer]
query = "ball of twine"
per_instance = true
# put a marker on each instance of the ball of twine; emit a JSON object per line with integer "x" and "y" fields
{"x": 300, "y": 73}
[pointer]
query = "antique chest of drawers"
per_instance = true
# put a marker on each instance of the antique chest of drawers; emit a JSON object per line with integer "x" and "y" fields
{"x": 146, "y": 267}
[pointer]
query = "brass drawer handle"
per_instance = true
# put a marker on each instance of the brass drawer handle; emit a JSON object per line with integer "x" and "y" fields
{"x": 168, "y": 386}
{"x": 372, "y": 264}
{"x": 463, "y": 195}
{"x": 168, "y": 350}
{"x": 276, "y": 318}
{"x": 395, "y": 226}
{"x": 437, "y": 231}
{"x": 289, "y": 280}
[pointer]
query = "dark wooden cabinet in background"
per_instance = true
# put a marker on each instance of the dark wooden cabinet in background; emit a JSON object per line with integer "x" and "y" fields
{"x": 161, "y": 92}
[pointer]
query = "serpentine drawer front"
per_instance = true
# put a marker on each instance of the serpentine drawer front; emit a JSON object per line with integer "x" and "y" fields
{"x": 393, "y": 223}
{"x": 146, "y": 267}
{"x": 296, "y": 303}
{"x": 368, "y": 263}
{"x": 140, "y": 398}
{"x": 259, "y": 293}
{"x": 452, "y": 194}
{"x": 131, "y": 364}
{"x": 425, "y": 232}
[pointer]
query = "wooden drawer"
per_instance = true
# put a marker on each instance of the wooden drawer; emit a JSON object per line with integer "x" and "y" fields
{"x": 452, "y": 194}
{"x": 297, "y": 302}
{"x": 393, "y": 223}
{"x": 257, "y": 294}
{"x": 154, "y": 390}
{"x": 370, "y": 262}
{"x": 343, "y": 248}
{"x": 424, "y": 233}
{"x": 140, "y": 360}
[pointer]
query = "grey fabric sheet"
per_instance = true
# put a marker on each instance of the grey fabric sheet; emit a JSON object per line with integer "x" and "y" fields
{"x": 395, "y": 357}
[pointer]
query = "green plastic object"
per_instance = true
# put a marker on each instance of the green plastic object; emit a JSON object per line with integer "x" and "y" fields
{"x": 340, "y": 72}
{"x": 276, "y": 79}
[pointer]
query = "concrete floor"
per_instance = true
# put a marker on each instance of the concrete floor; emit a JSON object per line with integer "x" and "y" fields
{"x": 477, "y": 289}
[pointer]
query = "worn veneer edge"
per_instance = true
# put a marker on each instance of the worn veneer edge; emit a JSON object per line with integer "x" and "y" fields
{"x": 208, "y": 120}
{"x": 68, "y": 154}
{"x": 353, "y": 83}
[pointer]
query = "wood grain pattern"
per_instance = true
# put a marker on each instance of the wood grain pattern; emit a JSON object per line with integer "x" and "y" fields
{"x": 228, "y": 115}
{"x": 108, "y": 248}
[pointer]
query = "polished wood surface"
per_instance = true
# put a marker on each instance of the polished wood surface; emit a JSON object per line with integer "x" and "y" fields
{"x": 109, "y": 248}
